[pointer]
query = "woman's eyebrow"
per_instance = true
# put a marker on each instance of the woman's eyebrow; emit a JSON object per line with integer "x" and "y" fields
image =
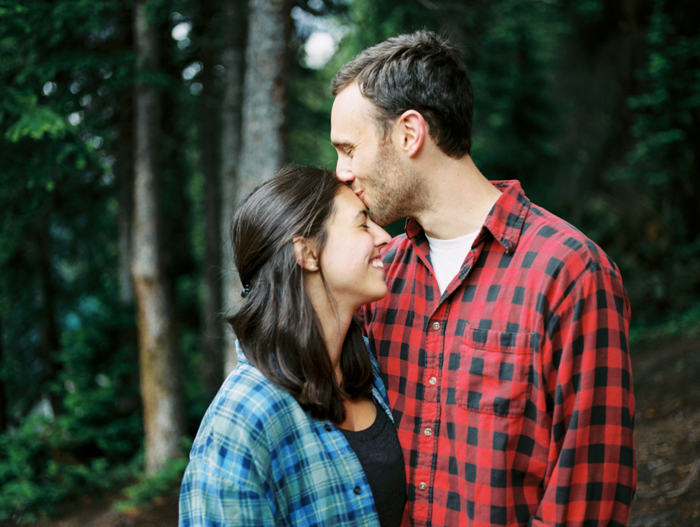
{"x": 363, "y": 213}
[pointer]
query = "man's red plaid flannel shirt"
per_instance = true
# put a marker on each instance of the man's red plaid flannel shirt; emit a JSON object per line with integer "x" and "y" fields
{"x": 512, "y": 392}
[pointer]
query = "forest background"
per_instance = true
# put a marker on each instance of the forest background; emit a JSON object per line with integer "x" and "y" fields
{"x": 129, "y": 129}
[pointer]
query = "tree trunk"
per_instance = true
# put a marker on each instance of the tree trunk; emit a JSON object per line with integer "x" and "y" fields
{"x": 124, "y": 173}
{"x": 265, "y": 93}
{"x": 211, "y": 345}
{"x": 3, "y": 396}
{"x": 263, "y": 117}
{"x": 48, "y": 331}
{"x": 234, "y": 19}
{"x": 158, "y": 355}
{"x": 598, "y": 80}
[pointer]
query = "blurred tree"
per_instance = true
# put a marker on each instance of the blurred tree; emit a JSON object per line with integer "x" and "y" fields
{"x": 646, "y": 204}
{"x": 3, "y": 395}
{"x": 64, "y": 66}
{"x": 234, "y": 22}
{"x": 123, "y": 167}
{"x": 593, "y": 105}
{"x": 208, "y": 126}
{"x": 54, "y": 122}
{"x": 510, "y": 48}
{"x": 265, "y": 93}
{"x": 598, "y": 53}
{"x": 158, "y": 353}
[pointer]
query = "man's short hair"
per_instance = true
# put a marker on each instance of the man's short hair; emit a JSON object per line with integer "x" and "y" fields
{"x": 419, "y": 71}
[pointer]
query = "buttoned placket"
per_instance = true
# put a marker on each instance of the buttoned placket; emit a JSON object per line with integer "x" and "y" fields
{"x": 431, "y": 410}
{"x": 430, "y": 415}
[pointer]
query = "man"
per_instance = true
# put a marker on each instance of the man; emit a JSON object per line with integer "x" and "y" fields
{"x": 503, "y": 340}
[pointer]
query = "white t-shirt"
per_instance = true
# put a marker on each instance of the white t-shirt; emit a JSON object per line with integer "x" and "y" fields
{"x": 448, "y": 256}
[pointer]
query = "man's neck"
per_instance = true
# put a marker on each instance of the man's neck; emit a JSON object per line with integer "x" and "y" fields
{"x": 461, "y": 199}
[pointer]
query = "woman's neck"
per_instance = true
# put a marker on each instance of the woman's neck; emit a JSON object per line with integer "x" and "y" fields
{"x": 335, "y": 326}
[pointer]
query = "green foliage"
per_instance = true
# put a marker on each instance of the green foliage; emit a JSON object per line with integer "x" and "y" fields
{"x": 65, "y": 101}
{"x": 37, "y": 176}
{"x": 57, "y": 270}
{"x": 147, "y": 489}
{"x": 91, "y": 447}
{"x": 37, "y": 473}
{"x": 99, "y": 380}
{"x": 665, "y": 114}
{"x": 310, "y": 110}
{"x": 42, "y": 43}
{"x": 34, "y": 120}
{"x": 656, "y": 242}
{"x": 685, "y": 326}
{"x": 514, "y": 121}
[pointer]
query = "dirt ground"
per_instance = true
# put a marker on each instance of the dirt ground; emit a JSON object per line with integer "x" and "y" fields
{"x": 667, "y": 434}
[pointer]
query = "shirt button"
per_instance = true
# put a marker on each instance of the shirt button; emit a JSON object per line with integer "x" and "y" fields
{"x": 422, "y": 486}
{"x": 428, "y": 432}
{"x": 432, "y": 381}
{"x": 357, "y": 490}
{"x": 436, "y": 326}
{"x": 327, "y": 427}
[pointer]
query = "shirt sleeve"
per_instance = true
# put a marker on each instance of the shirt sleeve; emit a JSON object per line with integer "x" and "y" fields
{"x": 589, "y": 399}
{"x": 224, "y": 485}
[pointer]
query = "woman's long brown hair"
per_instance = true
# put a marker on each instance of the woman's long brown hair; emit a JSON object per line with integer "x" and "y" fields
{"x": 276, "y": 324}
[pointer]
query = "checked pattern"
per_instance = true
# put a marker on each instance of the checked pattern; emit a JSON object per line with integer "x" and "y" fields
{"x": 511, "y": 392}
{"x": 259, "y": 460}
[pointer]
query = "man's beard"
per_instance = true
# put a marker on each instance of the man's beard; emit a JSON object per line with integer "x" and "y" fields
{"x": 396, "y": 191}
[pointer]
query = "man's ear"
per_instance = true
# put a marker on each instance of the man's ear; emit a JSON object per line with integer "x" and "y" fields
{"x": 305, "y": 254}
{"x": 412, "y": 129}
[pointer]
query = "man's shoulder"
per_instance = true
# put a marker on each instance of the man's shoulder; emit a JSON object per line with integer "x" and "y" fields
{"x": 397, "y": 249}
{"x": 547, "y": 237}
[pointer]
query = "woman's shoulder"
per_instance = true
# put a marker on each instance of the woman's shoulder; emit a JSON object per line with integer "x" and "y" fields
{"x": 250, "y": 412}
{"x": 249, "y": 399}
{"x": 239, "y": 433}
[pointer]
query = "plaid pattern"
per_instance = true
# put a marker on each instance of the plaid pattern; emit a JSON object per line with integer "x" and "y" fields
{"x": 260, "y": 460}
{"x": 511, "y": 392}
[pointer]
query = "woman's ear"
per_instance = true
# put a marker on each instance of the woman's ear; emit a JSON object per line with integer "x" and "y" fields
{"x": 305, "y": 254}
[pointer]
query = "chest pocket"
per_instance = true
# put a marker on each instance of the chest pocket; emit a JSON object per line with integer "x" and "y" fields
{"x": 493, "y": 371}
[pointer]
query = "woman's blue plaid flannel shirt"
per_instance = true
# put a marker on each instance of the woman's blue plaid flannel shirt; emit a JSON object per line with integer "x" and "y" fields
{"x": 260, "y": 460}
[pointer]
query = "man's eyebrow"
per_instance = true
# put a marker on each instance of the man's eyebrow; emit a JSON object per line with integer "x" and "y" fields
{"x": 339, "y": 144}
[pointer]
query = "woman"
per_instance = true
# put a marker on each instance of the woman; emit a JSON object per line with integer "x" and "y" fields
{"x": 300, "y": 432}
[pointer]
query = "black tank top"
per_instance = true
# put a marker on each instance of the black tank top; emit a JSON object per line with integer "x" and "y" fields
{"x": 381, "y": 457}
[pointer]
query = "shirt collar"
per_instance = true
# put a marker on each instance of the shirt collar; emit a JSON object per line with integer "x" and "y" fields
{"x": 504, "y": 222}
{"x": 240, "y": 356}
